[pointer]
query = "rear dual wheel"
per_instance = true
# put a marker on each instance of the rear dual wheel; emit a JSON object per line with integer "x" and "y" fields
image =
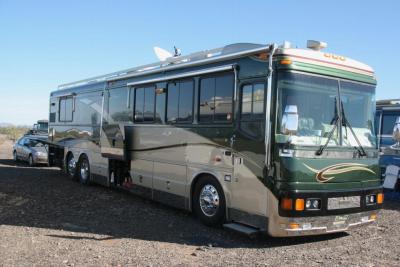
{"x": 84, "y": 170}
{"x": 71, "y": 167}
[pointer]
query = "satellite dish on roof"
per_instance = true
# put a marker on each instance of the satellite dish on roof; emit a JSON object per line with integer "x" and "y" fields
{"x": 162, "y": 54}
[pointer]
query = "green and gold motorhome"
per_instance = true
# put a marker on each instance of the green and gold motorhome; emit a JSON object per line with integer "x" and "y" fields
{"x": 253, "y": 137}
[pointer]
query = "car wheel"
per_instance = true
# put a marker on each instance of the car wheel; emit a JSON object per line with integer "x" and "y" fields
{"x": 71, "y": 167}
{"x": 209, "y": 201}
{"x": 15, "y": 156}
{"x": 84, "y": 170}
{"x": 31, "y": 162}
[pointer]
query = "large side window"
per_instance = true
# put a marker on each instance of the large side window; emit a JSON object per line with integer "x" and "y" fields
{"x": 252, "y": 109}
{"x": 388, "y": 120}
{"x": 118, "y": 109}
{"x": 180, "y": 102}
{"x": 88, "y": 108}
{"x": 216, "y": 98}
{"x": 66, "y": 107}
{"x": 144, "y": 104}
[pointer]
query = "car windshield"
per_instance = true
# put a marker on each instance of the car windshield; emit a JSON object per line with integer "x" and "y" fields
{"x": 35, "y": 143}
{"x": 316, "y": 100}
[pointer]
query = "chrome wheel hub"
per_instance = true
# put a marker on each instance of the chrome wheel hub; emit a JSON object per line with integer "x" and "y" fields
{"x": 71, "y": 166}
{"x": 84, "y": 170}
{"x": 209, "y": 200}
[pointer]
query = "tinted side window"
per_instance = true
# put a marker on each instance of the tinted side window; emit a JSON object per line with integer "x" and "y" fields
{"x": 66, "y": 109}
{"x": 180, "y": 102}
{"x": 149, "y": 98}
{"x": 216, "y": 99}
{"x": 252, "y": 109}
{"x": 117, "y": 106}
{"x": 160, "y": 106}
{"x": 389, "y": 118}
{"x": 139, "y": 104}
{"x": 88, "y": 108}
{"x": 252, "y": 101}
{"x": 144, "y": 104}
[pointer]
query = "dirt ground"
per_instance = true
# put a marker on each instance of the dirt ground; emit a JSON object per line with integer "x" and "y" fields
{"x": 48, "y": 220}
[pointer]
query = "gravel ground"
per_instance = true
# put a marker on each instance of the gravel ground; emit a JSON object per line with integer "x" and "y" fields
{"x": 48, "y": 220}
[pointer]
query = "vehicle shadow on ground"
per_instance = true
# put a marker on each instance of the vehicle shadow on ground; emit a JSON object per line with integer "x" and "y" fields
{"x": 46, "y": 198}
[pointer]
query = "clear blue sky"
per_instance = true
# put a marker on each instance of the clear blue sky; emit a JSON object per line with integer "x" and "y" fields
{"x": 47, "y": 43}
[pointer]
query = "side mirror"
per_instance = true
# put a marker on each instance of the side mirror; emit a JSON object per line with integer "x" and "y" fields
{"x": 396, "y": 132}
{"x": 290, "y": 120}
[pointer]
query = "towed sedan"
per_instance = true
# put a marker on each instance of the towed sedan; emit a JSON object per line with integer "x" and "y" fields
{"x": 32, "y": 150}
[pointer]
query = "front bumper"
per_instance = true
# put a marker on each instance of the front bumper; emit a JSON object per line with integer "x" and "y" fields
{"x": 317, "y": 225}
{"x": 40, "y": 159}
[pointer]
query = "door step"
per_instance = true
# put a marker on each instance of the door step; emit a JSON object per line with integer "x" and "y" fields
{"x": 241, "y": 228}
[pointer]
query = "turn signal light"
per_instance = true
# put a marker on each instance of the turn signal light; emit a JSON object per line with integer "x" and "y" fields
{"x": 372, "y": 216}
{"x": 294, "y": 226}
{"x": 286, "y": 204}
{"x": 299, "y": 204}
{"x": 379, "y": 198}
{"x": 286, "y": 62}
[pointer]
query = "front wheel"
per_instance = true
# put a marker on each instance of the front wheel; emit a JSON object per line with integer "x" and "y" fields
{"x": 30, "y": 161}
{"x": 84, "y": 170}
{"x": 15, "y": 157}
{"x": 209, "y": 201}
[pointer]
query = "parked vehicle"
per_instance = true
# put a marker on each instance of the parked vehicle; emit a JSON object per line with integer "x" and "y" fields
{"x": 388, "y": 129}
{"x": 40, "y": 128}
{"x": 387, "y": 112}
{"x": 31, "y": 149}
{"x": 254, "y": 137}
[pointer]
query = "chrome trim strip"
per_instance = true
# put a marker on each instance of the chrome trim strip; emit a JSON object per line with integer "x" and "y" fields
{"x": 184, "y": 75}
{"x": 267, "y": 138}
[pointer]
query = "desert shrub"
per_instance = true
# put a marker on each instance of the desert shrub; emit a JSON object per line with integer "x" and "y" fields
{"x": 13, "y": 132}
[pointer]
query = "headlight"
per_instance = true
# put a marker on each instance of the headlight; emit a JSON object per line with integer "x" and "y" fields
{"x": 370, "y": 199}
{"x": 38, "y": 153}
{"x": 313, "y": 204}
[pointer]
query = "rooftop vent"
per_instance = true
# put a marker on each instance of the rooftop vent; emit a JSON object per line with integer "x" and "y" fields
{"x": 316, "y": 45}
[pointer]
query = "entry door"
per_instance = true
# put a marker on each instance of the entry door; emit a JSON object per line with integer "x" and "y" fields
{"x": 248, "y": 191}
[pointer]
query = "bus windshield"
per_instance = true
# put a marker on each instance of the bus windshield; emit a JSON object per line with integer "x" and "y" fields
{"x": 317, "y": 102}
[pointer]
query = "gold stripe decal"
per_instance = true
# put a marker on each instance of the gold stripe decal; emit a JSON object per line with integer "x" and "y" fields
{"x": 324, "y": 175}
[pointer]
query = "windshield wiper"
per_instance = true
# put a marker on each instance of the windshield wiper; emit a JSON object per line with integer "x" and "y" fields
{"x": 346, "y": 124}
{"x": 333, "y": 122}
{"x": 322, "y": 147}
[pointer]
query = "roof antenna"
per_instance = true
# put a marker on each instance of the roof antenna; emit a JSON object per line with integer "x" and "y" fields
{"x": 177, "y": 51}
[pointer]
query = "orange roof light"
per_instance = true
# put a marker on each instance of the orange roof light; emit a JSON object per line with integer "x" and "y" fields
{"x": 286, "y": 204}
{"x": 286, "y": 62}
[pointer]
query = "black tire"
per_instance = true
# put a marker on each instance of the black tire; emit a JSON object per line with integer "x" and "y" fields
{"x": 31, "y": 162}
{"x": 72, "y": 172}
{"x": 15, "y": 156}
{"x": 216, "y": 213}
{"x": 84, "y": 170}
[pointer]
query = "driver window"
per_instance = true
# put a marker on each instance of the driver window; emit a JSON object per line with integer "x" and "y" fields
{"x": 252, "y": 109}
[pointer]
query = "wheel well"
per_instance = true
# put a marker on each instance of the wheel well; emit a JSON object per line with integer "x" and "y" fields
{"x": 68, "y": 154}
{"x": 83, "y": 155}
{"x": 196, "y": 180}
